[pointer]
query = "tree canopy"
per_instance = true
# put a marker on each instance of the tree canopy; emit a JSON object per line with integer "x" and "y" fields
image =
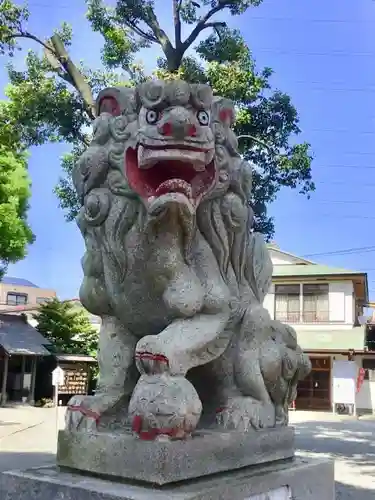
{"x": 52, "y": 99}
{"x": 15, "y": 233}
{"x": 68, "y": 327}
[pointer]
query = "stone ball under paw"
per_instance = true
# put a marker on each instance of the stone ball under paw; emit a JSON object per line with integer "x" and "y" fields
{"x": 164, "y": 405}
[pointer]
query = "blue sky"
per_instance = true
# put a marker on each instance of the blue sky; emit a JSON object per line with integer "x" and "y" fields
{"x": 323, "y": 55}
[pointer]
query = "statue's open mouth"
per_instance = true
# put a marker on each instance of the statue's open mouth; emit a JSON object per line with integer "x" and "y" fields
{"x": 153, "y": 171}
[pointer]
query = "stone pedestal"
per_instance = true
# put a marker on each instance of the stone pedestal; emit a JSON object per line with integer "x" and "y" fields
{"x": 122, "y": 456}
{"x": 296, "y": 479}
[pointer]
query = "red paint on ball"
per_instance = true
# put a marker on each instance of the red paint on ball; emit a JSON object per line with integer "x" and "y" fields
{"x": 137, "y": 424}
{"x": 85, "y": 411}
{"x": 153, "y": 357}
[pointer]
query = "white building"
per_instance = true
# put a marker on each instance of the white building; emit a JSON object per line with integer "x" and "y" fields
{"x": 325, "y": 306}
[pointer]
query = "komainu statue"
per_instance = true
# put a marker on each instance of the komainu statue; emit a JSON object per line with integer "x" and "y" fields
{"x": 176, "y": 273}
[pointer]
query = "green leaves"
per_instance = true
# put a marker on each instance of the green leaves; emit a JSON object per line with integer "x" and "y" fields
{"x": 12, "y": 18}
{"x": 52, "y": 100}
{"x": 15, "y": 233}
{"x": 68, "y": 326}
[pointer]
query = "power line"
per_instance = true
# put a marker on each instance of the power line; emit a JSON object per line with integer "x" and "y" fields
{"x": 343, "y": 252}
{"x": 342, "y": 131}
{"x": 332, "y": 53}
{"x": 331, "y": 215}
{"x": 253, "y": 17}
{"x": 340, "y": 165}
{"x": 347, "y": 202}
{"x": 345, "y": 183}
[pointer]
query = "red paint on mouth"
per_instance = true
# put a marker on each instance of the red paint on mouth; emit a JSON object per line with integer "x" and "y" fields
{"x": 169, "y": 176}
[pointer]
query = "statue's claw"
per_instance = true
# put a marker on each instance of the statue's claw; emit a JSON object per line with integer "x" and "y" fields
{"x": 244, "y": 414}
{"x": 84, "y": 412}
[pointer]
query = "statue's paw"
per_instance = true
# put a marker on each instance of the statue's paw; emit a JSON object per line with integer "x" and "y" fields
{"x": 83, "y": 412}
{"x": 149, "y": 356}
{"x": 244, "y": 414}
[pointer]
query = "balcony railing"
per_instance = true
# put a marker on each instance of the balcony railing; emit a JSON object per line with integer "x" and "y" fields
{"x": 303, "y": 317}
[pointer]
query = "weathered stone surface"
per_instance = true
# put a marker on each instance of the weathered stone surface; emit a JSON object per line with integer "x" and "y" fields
{"x": 174, "y": 270}
{"x": 307, "y": 480}
{"x": 161, "y": 462}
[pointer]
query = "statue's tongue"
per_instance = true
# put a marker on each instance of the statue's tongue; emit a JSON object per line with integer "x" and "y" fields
{"x": 174, "y": 186}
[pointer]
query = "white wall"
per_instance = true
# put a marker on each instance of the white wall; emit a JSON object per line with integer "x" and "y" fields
{"x": 279, "y": 258}
{"x": 365, "y": 399}
{"x": 341, "y": 301}
{"x": 269, "y": 301}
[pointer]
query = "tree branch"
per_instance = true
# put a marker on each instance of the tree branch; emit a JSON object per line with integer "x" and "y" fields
{"x": 76, "y": 76}
{"x": 140, "y": 32}
{"x": 163, "y": 39}
{"x": 177, "y": 22}
{"x": 55, "y": 50}
{"x": 203, "y": 24}
{"x": 26, "y": 34}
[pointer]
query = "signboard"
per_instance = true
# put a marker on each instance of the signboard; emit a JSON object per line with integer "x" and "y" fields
{"x": 76, "y": 381}
{"x": 58, "y": 377}
{"x": 344, "y": 376}
{"x": 282, "y": 493}
{"x": 360, "y": 378}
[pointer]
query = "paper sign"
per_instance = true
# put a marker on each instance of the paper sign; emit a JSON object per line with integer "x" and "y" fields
{"x": 58, "y": 376}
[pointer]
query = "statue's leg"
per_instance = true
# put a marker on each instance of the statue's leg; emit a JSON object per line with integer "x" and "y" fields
{"x": 117, "y": 377}
{"x": 184, "y": 344}
{"x": 164, "y": 402}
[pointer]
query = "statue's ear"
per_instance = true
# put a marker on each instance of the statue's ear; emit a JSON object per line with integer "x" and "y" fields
{"x": 116, "y": 101}
{"x": 223, "y": 111}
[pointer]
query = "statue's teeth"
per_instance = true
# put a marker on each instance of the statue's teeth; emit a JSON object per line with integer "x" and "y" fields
{"x": 199, "y": 167}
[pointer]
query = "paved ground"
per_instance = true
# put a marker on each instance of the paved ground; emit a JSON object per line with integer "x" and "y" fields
{"x": 28, "y": 438}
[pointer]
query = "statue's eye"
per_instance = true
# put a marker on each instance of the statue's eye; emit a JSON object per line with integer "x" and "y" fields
{"x": 152, "y": 116}
{"x": 203, "y": 117}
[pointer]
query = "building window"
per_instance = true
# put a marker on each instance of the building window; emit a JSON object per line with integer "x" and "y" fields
{"x": 42, "y": 300}
{"x": 287, "y": 303}
{"x": 16, "y": 299}
{"x": 315, "y": 303}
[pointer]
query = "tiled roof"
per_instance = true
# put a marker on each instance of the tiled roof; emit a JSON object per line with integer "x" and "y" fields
{"x": 18, "y": 337}
{"x": 9, "y": 280}
{"x": 309, "y": 270}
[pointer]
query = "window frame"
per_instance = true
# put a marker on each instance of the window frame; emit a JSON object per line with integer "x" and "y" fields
{"x": 17, "y": 294}
{"x": 276, "y": 293}
{"x": 301, "y": 286}
{"x": 316, "y": 295}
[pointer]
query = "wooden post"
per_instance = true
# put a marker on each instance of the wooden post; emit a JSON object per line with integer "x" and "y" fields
{"x": 23, "y": 368}
{"x": 33, "y": 378}
{"x": 5, "y": 379}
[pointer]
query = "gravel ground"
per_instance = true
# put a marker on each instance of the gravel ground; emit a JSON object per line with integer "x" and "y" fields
{"x": 28, "y": 439}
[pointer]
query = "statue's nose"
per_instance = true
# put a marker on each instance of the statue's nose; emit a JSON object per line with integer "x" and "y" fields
{"x": 178, "y": 125}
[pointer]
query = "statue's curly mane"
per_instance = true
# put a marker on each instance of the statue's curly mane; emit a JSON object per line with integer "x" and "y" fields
{"x": 224, "y": 219}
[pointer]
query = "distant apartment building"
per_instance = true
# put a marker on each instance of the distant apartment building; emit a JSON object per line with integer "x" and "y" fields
{"x": 16, "y": 293}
